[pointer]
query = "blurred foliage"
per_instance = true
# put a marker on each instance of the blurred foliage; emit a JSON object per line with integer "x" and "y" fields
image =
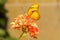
{"x": 2, "y": 33}
{"x": 3, "y": 18}
{"x": 2, "y": 11}
{"x": 3, "y": 22}
{"x": 2, "y": 1}
{"x": 9, "y": 38}
{"x": 2, "y": 8}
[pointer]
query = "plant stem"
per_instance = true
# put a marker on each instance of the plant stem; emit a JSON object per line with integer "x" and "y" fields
{"x": 21, "y": 36}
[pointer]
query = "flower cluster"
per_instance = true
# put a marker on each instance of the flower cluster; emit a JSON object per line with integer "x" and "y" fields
{"x": 25, "y": 24}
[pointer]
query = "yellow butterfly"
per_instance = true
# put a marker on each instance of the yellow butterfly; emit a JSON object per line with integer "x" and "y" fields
{"x": 33, "y": 12}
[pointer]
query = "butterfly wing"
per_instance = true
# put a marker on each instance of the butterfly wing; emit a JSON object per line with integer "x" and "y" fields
{"x": 35, "y": 16}
{"x": 33, "y": 12}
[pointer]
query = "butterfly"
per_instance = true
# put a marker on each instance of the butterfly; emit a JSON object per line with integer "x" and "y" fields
{"x": 33, "y": 12}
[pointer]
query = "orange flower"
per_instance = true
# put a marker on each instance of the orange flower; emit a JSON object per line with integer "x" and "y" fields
{"x": 24, "y": 22}
{"x": 33, "y": 30}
